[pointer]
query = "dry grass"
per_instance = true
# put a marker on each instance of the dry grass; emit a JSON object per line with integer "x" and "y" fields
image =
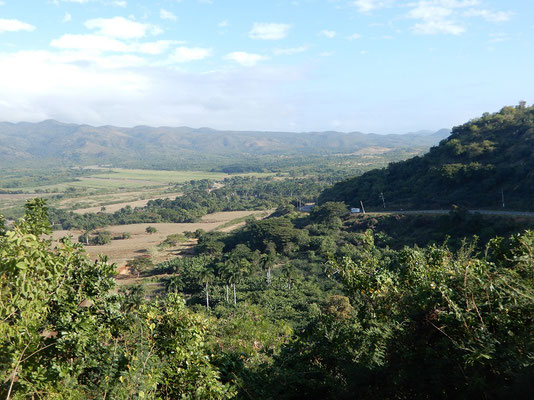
{"x": 120, "y": 251}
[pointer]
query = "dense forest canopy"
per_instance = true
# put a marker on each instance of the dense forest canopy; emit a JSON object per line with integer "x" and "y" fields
{"x": 482, "y": 162}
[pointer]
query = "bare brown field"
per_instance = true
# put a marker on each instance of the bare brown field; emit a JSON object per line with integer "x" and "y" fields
{"x": 142, "y": 243}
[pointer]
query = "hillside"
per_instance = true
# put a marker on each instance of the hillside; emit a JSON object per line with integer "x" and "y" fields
{"x": 74, "y": 144}
{"x": 480, "y": 161}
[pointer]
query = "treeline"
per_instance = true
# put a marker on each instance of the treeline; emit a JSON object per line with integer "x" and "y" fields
{"x": 201, "y": 198}
{"x": 319, "y": 312}
{"x": 484, "y": 163}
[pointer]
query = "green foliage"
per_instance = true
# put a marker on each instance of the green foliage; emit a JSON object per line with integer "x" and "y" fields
{"x": 173, "y": 240}
{"x": 99, "y": 238}
{"x": 140, "y": 264}
{"x": 55, "y": 310}
{"x": 36, "y": 220}
{"x": 123, "y": 236}
{"x": 180, "y": 339}
{"x": 479, "y": 160}
{"x": 150, "y": 230}
{"x": 65, "y": 335}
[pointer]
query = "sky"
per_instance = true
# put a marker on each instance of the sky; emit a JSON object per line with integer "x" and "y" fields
{"x": 382, "y": 66}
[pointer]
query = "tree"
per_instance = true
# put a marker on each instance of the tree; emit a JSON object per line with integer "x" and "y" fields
{"x": 290, "y": 273}
{"x": 266, "y": 262}
{"x": 206, "y": 276}
{"x": 36, "y": 219}
{"x": 174, "y": 284}
{"x": 101, "y": 238}
{"x": 140, "y": 264}
{"x": 150, "y": 230}
{"x": 330, "y": 213}
{"x": 234, "y": 270}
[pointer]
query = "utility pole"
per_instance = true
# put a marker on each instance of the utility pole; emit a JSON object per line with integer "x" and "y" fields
{"x": 502, "y": 196}
{"x": 363, "y": 209}
{"x": 383, "y": 200}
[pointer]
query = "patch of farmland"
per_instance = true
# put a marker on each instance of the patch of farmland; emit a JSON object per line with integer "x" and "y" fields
{"x": 140, "y": 243}
{"x": 112, "y": 207}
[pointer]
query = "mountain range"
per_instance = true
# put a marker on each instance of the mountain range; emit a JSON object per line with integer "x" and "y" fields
{"x": 83, "y": 144}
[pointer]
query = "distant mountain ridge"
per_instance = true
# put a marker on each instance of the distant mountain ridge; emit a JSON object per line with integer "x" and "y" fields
{"x": 482, "y": 163}
{"x": 84, "y": 143}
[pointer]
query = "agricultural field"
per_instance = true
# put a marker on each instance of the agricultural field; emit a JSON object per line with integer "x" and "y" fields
{"x": 98, "y": 187}
{"x": 143, "y": 243}
{"x": 115, "y": 202}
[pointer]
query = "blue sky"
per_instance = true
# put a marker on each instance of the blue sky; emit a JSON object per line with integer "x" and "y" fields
{"x": 384, "y": 66}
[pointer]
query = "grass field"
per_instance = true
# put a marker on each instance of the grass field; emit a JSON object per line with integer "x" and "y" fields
{"x": 157, "y": 176}
{"x": 109, "y": 186}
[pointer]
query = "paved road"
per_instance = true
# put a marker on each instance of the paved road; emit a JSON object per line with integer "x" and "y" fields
{"x": 482, "y": 212}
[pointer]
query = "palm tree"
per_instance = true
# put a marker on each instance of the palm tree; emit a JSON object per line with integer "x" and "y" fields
{"x": 234, "y": 271}
{"x": 223, "y": 269}
{"x": 206, "y": 276}
{"x": 266, "y": 262}
{"x": 174, "y": 284}
{"x": 290, "y": 273}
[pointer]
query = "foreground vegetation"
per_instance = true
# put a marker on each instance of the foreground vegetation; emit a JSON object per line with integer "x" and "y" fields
{"x": 290, "y": 307}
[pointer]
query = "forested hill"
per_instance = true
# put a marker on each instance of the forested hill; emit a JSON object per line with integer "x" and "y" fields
{"x": 71, "y": 143}
{"x": 480, "y": 161}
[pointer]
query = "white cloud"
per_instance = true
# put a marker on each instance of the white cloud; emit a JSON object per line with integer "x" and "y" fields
{"x": 67, "y": 17}
{"x": 122, "y": 28}
{"x": 354, "y": 36}
{"x": 168, "y": 15}
{"x": 40, "y": 85}
{"x": 269, "y": 31}
{"x": 223, "y": 24}
{"x": 120, "y": 3}
{"x": 290, "y": 51}
{"x": 433, "y": 27}
{"x": 14, "y": 25}
{"x": 188, "y": 54}
{"x": 438, "y": 16}
{"x": 365, "y": 6}
{"x": 155, "y": 48}
{"x": 328, "y": 34}
{"x": 90, "y": 42}
{"x": 98, "y": 44}
{"x": 244, "y": 58}
{"x": 445, "y": 16}
{"x": 490, "y": 16}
